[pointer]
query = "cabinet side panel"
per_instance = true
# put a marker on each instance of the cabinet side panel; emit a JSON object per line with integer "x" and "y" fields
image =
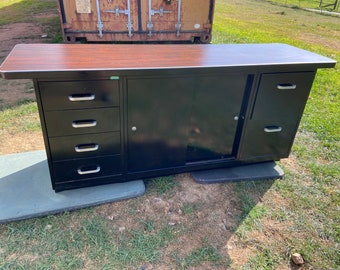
{"x": 43, "y": 127}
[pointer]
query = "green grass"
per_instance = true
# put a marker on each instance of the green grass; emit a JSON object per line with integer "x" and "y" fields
{"x": 21, "y": 10}
{"x": 311, "y": 218}
{"x": 322, "y": 114}
{"x": 23, "y": 117}
{"x": 161, "y": 185}
{"x": 315, "y": 4}
{"x": 205, "y": 253}
{"x": 69, "y": 242}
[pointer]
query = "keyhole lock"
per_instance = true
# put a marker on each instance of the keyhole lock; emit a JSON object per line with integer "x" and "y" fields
{"x": 134, "y": 128}
{"x": 236, "y": 117}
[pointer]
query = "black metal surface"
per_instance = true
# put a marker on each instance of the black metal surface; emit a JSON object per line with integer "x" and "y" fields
{"x": 159, "y": 108}
{"x": 67, "y": 171}
{"x": 260, "y": 171}
{"x": 217, "y": 101}
{"x": 274, "y": 104}
{"x": 211, "y": 10}
{"x": 55, "y": 95}
{"x": 59, "y": 123}
{"x": 63, "y": 148}
{"x": 62, "y": 11}
{"x": 275, "y": 108}
{"x": 140, "y": 25}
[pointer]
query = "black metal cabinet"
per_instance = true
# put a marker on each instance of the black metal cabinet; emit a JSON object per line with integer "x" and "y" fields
{"x": 100, "y": 131}
{"x": 275, "y": 115}
{"x": 133, "y": 112}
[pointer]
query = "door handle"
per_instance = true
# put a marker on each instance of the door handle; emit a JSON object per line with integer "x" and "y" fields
{"x": 272, "y": 129}
{"x": 286, "y": 86}
{"x": 86, "y": 147}
{"x": 81, "y": 97}
{"x": 84, "y": 123}
{"x": 81, "y": 172}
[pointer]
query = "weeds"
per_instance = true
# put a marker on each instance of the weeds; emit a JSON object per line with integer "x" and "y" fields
{"x": 161, "y": 185}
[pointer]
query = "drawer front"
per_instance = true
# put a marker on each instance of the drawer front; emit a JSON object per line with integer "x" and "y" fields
{"x": 83, "y": 146}
{"x": 73, "y": 122}
{"x": 268, "y": 140}
{"x": 81, "y": 169}
{"x": 79, "y": 94}
{"x": 282, "y": 95}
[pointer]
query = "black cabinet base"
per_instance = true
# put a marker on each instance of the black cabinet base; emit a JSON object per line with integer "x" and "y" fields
{"x": 260, "y": 171}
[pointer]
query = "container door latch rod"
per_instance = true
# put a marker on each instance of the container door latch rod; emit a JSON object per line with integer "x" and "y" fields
{"x": 99, "y": 23}
{"x": 153, "y": 12}
{"x": 127, "y": 12}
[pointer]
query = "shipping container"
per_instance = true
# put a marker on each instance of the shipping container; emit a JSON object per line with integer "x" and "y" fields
{"x": 136, "y": 20}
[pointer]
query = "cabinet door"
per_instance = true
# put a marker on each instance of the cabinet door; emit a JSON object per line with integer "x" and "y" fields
{"x": 277, "y": 110}
{"x": 157, "y": 121}
{"x": 215, "y": 111}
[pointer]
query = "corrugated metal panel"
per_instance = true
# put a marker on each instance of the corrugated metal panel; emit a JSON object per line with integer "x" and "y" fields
{"x": 136, "y": 20}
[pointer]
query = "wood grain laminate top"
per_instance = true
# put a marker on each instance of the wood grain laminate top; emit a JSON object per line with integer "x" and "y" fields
{"x": 28, "y": 60}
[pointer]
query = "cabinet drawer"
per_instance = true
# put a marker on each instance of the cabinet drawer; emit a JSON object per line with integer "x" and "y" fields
{"x": 80, "y": 169}
{"x": 72, "y": 122}
{"x": 79, "y": 94}
{"x": 268, "y": 140}
{"x": 282, "y": 95}
{"x": 83, "y": 146}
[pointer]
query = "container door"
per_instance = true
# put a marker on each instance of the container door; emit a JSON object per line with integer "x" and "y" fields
{"x": 197, "y": 16}
{"x": 159, "y": 16}
{"x": 120, "y": 16}
{"x": 176, "y": 17}
{"x": 157, "y": 121}
{"x": 100, "y": 17}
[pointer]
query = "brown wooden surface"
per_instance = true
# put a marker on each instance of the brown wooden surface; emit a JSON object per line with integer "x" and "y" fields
{"x": 26, "y": 60}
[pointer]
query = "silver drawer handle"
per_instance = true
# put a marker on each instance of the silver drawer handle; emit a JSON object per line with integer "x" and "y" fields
{"x": 286, "y": 86}
{"x": 81, "y": 172}
{"x": 272, "y": 129}
{"x": 81, "y": 97}
{"x": 84, "y": 123}
{"x": 86, "y": 147}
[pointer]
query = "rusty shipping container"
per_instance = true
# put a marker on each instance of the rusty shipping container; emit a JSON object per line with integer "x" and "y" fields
{"x": 137, "y": 20}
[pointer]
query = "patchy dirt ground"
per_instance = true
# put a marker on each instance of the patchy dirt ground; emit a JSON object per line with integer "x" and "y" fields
{"x": 11, "y": 92}
{"x": 14, "y": 92}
